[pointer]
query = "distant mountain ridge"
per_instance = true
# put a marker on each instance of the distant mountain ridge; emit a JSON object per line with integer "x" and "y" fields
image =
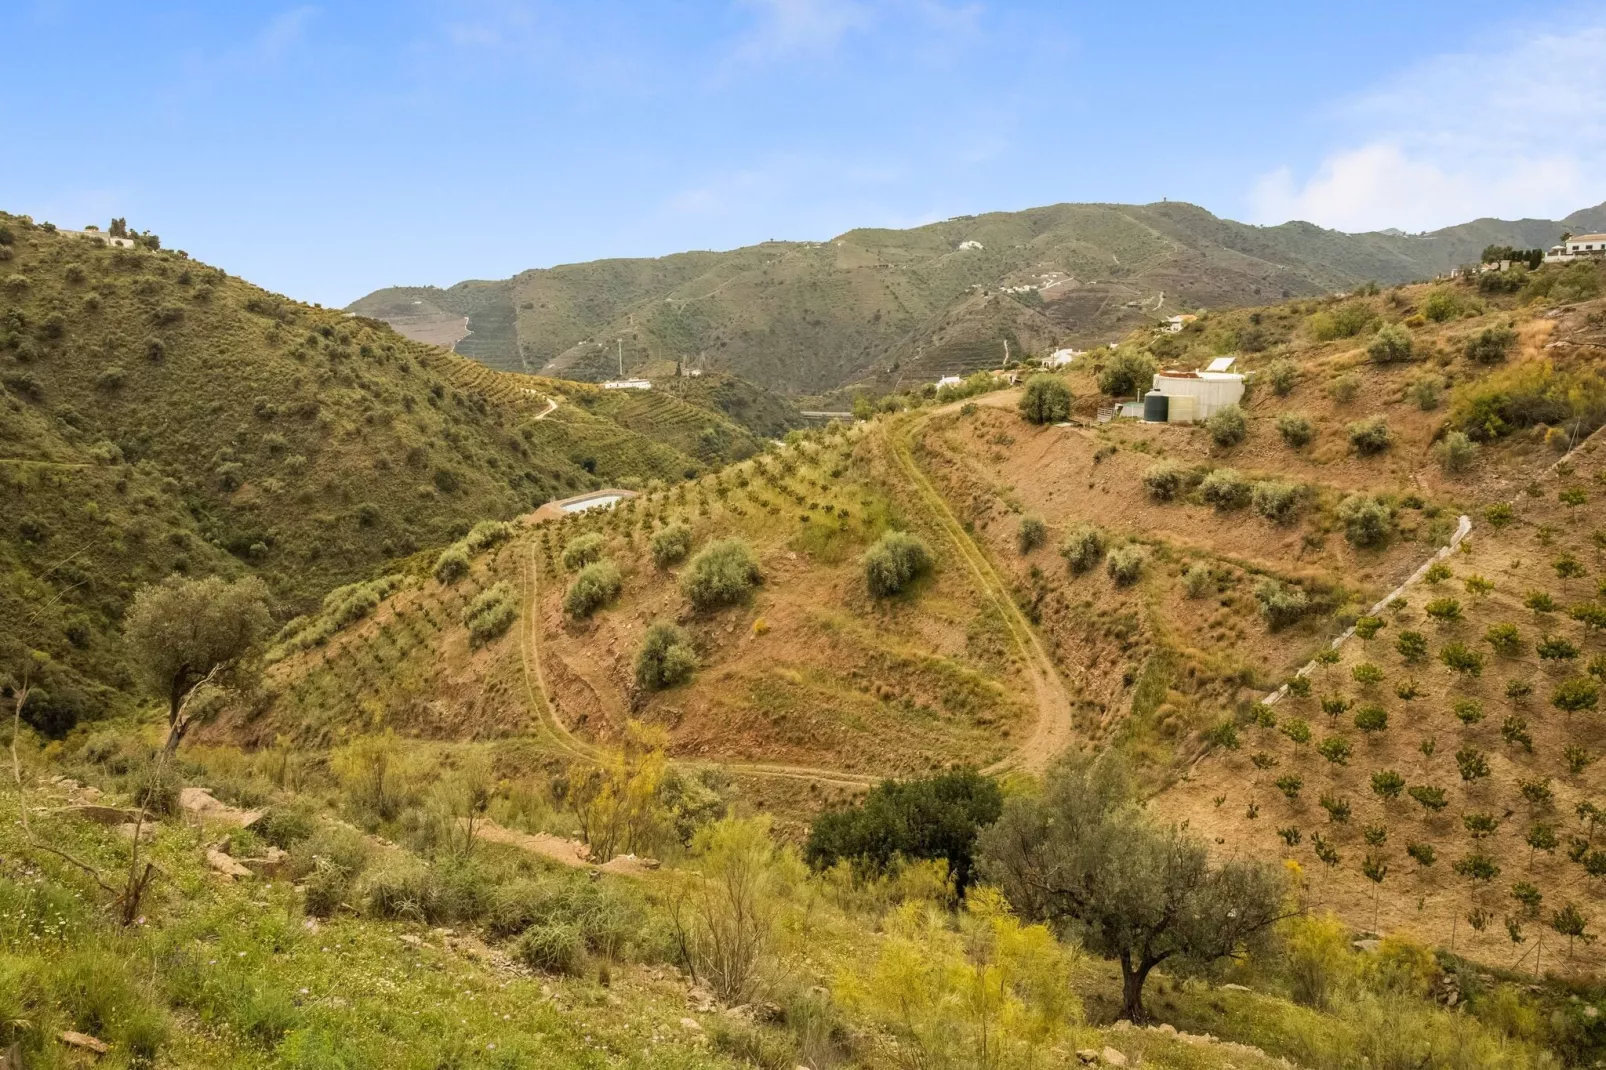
{"x": 884, "y": 307}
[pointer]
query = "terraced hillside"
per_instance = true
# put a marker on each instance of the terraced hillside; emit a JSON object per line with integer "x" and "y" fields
{"x": 806, "y": 670}
{"x": 883, "y": 308}
{"x": 161, "y": 416}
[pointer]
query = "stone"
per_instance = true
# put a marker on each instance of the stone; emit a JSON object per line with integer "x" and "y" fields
{"x": 147, "y": 831}
{"x": 1112, "y": 1057}
{"x": 269, "y": 864}
{"x": 1367, "y": 945}
{"x": 1235, "y": 988}
{"x": 85, "y": 1041}
{"x": 204, "y": 804}
{"x": 225, "y": 865}
{"x": 102, "y": 815}
{"x": 1167, "y": 1028}
{"x": 1087, "y": 1056}
{"x": 691, "y": 1024}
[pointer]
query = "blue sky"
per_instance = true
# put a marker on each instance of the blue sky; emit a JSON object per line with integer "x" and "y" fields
{"x": 327, "y": 149}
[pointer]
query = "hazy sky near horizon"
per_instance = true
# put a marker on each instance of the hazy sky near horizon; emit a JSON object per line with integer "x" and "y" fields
{"x": 327, "y": 149}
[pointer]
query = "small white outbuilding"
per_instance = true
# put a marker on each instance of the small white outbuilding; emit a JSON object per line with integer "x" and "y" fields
{"x": 1204, "y": 392}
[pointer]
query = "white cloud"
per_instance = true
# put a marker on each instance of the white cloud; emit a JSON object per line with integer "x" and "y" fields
{"x": 783, "y": 27}
{"x": 1510, "y": 131}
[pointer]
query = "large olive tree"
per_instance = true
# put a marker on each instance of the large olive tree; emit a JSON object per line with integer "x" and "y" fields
{"x": 1081, "y": 855}
{"x": 186, "y": 632}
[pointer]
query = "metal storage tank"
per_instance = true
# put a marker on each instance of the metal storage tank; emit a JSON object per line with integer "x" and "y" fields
{"x": 1154, "y": 407}
{"x": 1184, "y": 409}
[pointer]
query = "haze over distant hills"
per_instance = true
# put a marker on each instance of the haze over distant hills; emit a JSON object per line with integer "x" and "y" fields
{"x": 882, "y": 307}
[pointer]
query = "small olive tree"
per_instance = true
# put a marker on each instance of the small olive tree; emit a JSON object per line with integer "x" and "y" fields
{"x": 1083, "y": 854}
{"x": 1046, "y": 400}
{"x": 183, "y": 633}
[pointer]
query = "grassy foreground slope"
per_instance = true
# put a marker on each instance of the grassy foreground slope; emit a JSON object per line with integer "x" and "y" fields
{"x": 886, "y": 307}
{"x": 158, "y": 415}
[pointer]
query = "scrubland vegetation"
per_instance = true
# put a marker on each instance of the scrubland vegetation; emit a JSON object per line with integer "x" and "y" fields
{"x": 749, "y": 769}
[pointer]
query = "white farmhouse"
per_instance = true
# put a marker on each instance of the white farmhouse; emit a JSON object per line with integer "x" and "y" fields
{"x": 1186, "y": 396}
{"x": 628, "y": 384}
{"x": 948, "y": 380}
{"x": 1576, "y": 247}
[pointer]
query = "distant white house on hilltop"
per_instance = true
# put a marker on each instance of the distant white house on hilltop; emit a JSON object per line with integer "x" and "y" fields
{"x": 1174, "y": 324}
{"x": 100, "y": 236}
{"x": 948, "y": 380}
{"x": 628, "y": 384}
{"x": 1576, "y": 247}
{"x": 1061, "y": 357}
{"x": 971, "y": 244}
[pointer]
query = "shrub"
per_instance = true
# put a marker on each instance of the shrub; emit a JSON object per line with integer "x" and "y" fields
{"x": 1295, "y": 429}
{"x": 1458, "y": 658}
{"x": 895, "y": 560}
{"x": 1164, "y": 480}
{"x": 1046, "y": 400}
{"x": 1392, "y": 343}
{"x": 1336, "y": 749}
{"x": 1575, "y": 695}
{"x": 1456, "y": 452}
{"x": 1197, "y": 579}
{"x": 1429, "y": 798}
{"x": 486, "y": 534}
{"x": 1371, "y": 719}
{"x": 1126, "y": 563}
{"x": 595, "y": 586}
{"x": 1444, "y": 610}
{"x": 1227, "y": 427}
{"x": 582, "y": 550}
{"x": 1366, "y": 520}
{"x": 1370, "y": 436}
{"x": 929, "y": 818}
{"x": 722, "y": 574}
{"x": 666, "y": 657}
{"x": 551, "y": 947}
{"x": 1427, "y": 390}
{"x": 1276, "y": 501}
{"x": 1556, "y": 648}
{"x": 1296, "y": 729}
{"x": 1344, "y": 388}
{"x": 1083, "y": 547}
{"x": 1491, "y": 346}
{"x": 1387, "y": 784}
{"x": 671, "y": 545}
{"x": 1442, "y": 304}
{"x": 490, "y": 615}
{"x": 1280, "y": 604}
{"x": 1225, "y": 489}
{"x": 1341, "y": 321}
{"x": 452, "y": 565}
{"x": 1127, "y": 372}
{"x": 1031, "y": 533}
{"x": 1505, "y": 638}
{"x": 1281, "y": 375}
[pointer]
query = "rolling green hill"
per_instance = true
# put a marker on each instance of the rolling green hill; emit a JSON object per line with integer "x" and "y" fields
{"x": 158, "y": 416}
{"x": 883, "y": 307}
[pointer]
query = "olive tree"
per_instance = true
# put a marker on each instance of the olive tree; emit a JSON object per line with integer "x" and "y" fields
{"x": 1046, "y": 400}
{"x": 1083, "y": 855}
{"x": 183, "y": 633}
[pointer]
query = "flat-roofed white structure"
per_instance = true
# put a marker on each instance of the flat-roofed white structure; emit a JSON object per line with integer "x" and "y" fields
{"x": 1212, "y": 389}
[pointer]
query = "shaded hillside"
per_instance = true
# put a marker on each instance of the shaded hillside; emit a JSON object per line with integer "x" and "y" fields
{"x": 157, "y": 415}
{"x": 885, "y": 307}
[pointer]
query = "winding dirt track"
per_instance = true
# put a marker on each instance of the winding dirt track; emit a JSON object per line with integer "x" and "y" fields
{"x": 1052, "y": 733}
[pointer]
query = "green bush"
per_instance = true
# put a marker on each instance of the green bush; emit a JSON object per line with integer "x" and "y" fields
{"x": 1457, "y": 452}
{"x": 452, "y": 565}
{"x": 490, "y": 614}
{"x": 1280, "y": 604}
{"x": 1393, "y": 343}
{"x": 1443, "y": 304}
{"x": 1491, "y": 345}
{"x": 1367, "y": 520}
{"x": 1031, "y": 533}
{"x": 1083, "y": 547}
{"x": 1370, "y": 436}
{"x": 1281, "y": 375}
{"x": 1197, "y": 579}
{"x": 486, "y": 534}
{"x": 551, "y": 947}
{"x": 721, "y": 575}
{"x": 1164, "y": 480}
{"x": 894, "y": 561}
{"x": 1126, "y": 563}
{"x": 1225, "y": 489}
{"x": 1295, "y": 429}
{"x": 583, "y": 550}
{"x": 930, "y": 818}
{"x": 1427, "y": 390}
{"x": 1344, "y": 388}
{"x": 1046, "y": 400}
{"x": 671, "y": 545}
{"x": 1227, "y": 427}
{"x": 666, "y": 657}
{"x": 1127, "y": 372}
{"x": 594, "y": 587}
{"x": 1276, "y": 501}
{"x": 1341, "y": 321}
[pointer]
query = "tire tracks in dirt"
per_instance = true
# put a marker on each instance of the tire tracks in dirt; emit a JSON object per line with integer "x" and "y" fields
{"x": 1055, "y": 729}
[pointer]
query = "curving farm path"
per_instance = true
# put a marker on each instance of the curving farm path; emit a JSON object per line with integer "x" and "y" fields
{"x": 1051, "y": 735}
